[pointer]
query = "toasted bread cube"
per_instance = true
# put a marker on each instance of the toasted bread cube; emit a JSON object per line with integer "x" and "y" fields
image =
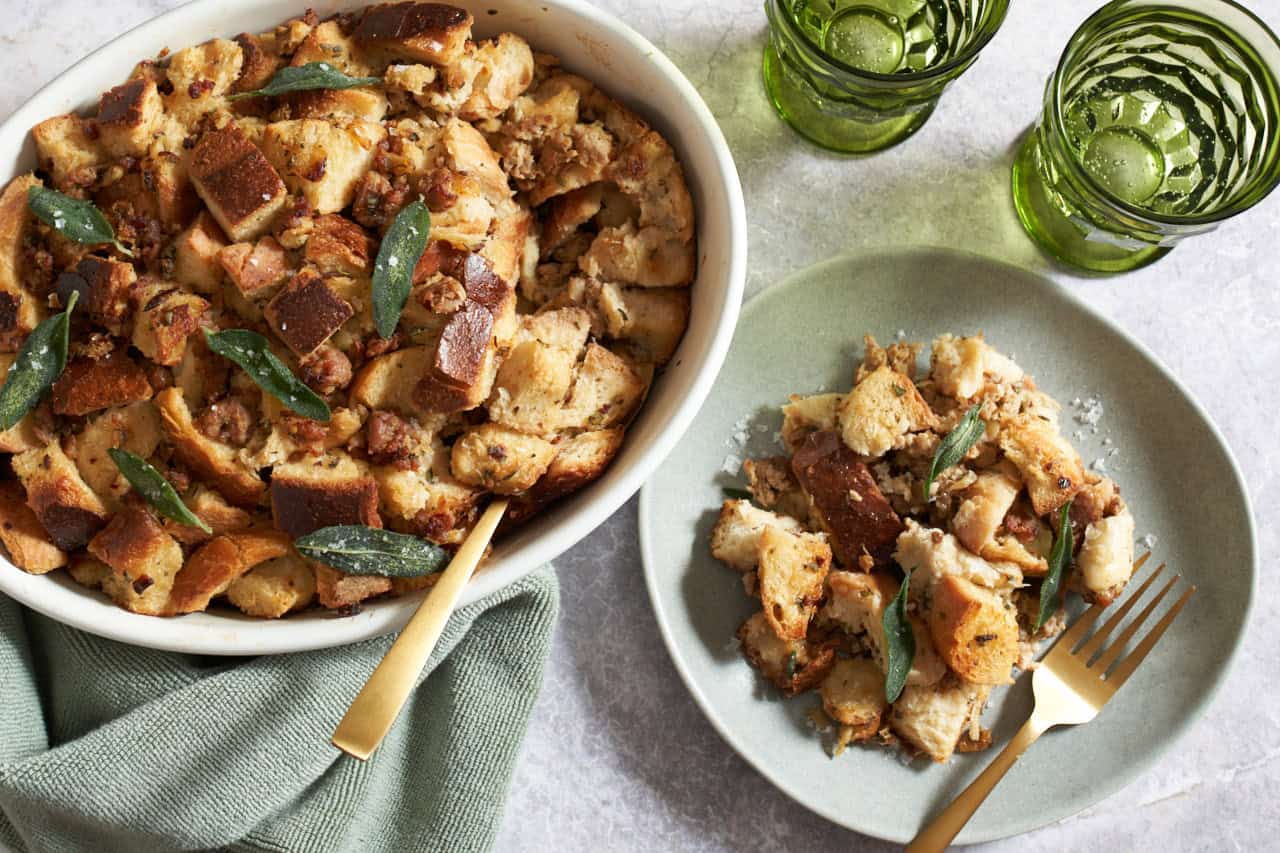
{"x": 608, "y": 390}
{"x": 974, "y": 630}
{"x": 933, "y": 718}
{"x": 649, "y": 257}
{"x": 857, "y": 602}
{"x": 880, "y": 411}
{"x": 274, "y": 588}
{"x": 163, "y": 320}
{"x": 127, "y": 115}
{"x": 1049, "y": 465}
{"x": 339, "y": 246}
{"x": 87, "y": 571}
{"x": 326, "y": 42}
{"x": 211, "y": 569}
{"x": 958, "y": 365}
{"x": 208, "y": 459}
{"x": 322, "y": 160}
{"x": 104, "y": 287}
{"x": 66, "y": 152}
{"x": 793, "y": 666}
{"x": 853, "y": 695}
{"x": 338, "y": 591}
{"x": 387, "y": 382}
{"x": 307, "y": 312}
{"x": 500, "y": 459}
{"x": 25, "y": 541}
{"x": 531, "y": 387}
{"x": 89, "y": 385}
{"x": 982, "y": 511}
{"x": 846, "y": 500}
{"x": 421, "y": 32}
{"x": 654, "y": 322}
{"x": 165, "y": 175}
{"x": 202, "y": 76}
{"x": 242, "y": 189}
{"x": 435, "y": 505}
{"x": 195, "y": 262}
{"x": 793, "y": 567}
{"x": 464, "y": 368}
{"x": 929, "y": 554}
{"x": 69, "y": 510}
{"x": 256, "y": 269}
{"x": 505, "y": 71}
{"x": 143, "y": 558}
{"x": 214, "y": 510}
{"x": 1105, "y": 560}
{"x": 309, "y": 495}
{"x": 367, "y": 104}
{"x": 581, "y": 460}
{"x": 261, "y": 59}
{"x": 735, "y": 540}
{"x": 135, "y": 428}
{"x": 803, "y": 416}
{"x": 20, "y": 311}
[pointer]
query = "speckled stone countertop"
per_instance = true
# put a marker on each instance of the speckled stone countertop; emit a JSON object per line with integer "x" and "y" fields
{"x": 618, "y": 756}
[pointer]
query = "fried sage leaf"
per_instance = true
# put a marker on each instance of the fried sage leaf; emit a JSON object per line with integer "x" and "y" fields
{"x": 957, "y": 443}
{"x": 359, "y": 550}
{"x": 1059, "y": 559}
{"x": 398, "y": 255}
{"x": 899, "y": 643}
{"x": 154, "y": 488}
{"x": 37, "y": 366}
{"x": 79, "y": 221}
{"x": 302, "y": 78}
{"x": 252, "y": 352}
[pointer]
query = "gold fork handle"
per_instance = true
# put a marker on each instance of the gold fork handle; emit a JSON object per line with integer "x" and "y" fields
{"x": 937, "y": 835}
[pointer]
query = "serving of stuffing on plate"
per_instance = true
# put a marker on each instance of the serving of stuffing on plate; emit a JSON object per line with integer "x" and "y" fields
{"x": 960, "y": 481}
{"x": 355, "y": 274}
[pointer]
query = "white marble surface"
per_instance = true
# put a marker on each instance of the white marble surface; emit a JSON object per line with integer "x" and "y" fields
{"x": 618, "y": 757}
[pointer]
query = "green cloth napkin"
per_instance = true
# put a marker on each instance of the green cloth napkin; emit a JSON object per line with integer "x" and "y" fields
{"x": 108, "y": 747}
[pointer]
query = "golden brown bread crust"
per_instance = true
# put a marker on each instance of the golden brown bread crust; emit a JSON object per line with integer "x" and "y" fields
{"x": 338, "y": 591}
{"x": 426, "y": 32}
{"x": 24, "y": 538}
{"x": 20, "y": 311}
{"x": 241, "y": 188}
{"x": 208, "y": 459}
{"x": 130, "y": 541}
{"x": 67, "y": 508}
{"x": 211, "y": 569}
{"x": 973, "y": 630}
{"x": 338, "y": 245}
{"x": 302, "y": 504}
{"x": 104, "y": 287}
{"x": 830, "y": 473}
{"x": 90, "y": 385}
{"x": 306, "y": 312}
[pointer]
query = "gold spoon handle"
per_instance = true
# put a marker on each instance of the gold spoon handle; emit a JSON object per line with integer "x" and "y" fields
{"x": 378, "y": 703}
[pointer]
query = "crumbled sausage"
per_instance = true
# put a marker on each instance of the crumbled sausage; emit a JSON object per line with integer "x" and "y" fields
{"x": 390, "y": 441}
{"x": 326, "y": 370}
{"x": 228, "y": 421}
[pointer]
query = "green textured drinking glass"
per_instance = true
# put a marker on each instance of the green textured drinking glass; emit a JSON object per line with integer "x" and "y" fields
{"x": 857, "y": 76}
{"x": 1160, "y": 121}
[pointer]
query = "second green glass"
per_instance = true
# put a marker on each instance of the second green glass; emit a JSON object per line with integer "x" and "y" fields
{"x": 857, "y": 76}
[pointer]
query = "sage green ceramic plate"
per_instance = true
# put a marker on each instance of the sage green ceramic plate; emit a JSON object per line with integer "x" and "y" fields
{"x": 1175, "y": 470}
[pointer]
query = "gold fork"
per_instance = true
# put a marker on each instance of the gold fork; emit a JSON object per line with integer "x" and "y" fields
{"x": 1070, "y": 688}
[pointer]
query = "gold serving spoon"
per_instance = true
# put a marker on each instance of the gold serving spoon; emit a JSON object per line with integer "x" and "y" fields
{"x": 378, "y": 703}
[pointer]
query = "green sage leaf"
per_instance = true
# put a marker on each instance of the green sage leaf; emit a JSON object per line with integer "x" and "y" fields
{"x": 252, "y": 352}
{"x": 1059, "y": 559}
{"x": 399, "y": 253}
{"x": 154, "y": 488}
{"x": 38, "y": 365}
{"x": 956, "y": 444}
{"x": 359, "y": 550}
{"x": 302, "y": 78}
{"x": 899, "y": 643}
{"x": 77, "y": 220}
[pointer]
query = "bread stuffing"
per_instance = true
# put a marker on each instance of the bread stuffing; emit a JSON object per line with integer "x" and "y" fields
{"x": 898, "y": 551}
{"x": 244, "y": 210}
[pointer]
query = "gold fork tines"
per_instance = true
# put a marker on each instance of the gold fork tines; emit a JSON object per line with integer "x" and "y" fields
{"x": 1074, "y": 680}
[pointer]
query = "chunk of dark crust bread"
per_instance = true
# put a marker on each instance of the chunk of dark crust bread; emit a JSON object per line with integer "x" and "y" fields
{"x": 857, "y": 517}
{"x": 90, "y": 385}
{"x": 103, "y": 286}
{"x": 305, "y": 501}
{"x": 241, "y": 188}
{"x": 425, "y": 32}
{"x": 307, "y": 312}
